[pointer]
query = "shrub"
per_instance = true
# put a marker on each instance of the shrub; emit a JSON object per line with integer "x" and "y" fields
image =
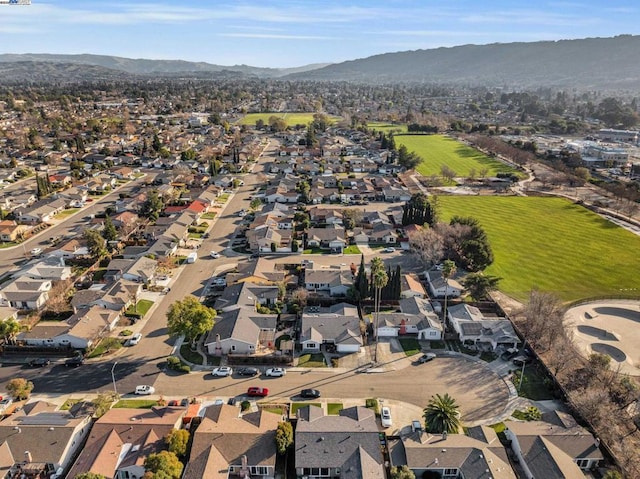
{"x": 372, "y": 403}
{"x": 245, "y": 405}
{"x": 126, "y": 332}
{"x": 174, "y": 363}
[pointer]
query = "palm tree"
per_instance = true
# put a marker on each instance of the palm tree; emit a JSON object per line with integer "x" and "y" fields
{"x": 448, "y": 269}
{"x": 379, "y": 280}
{"x": 9, "y": 329}
{"x": 442, "y": 415}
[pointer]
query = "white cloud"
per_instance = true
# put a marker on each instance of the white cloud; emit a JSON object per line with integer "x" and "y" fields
{"x": 531, "y": 17}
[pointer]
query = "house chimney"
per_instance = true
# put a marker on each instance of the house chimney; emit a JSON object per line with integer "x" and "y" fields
{"x": 27, "y": 457}
{"x": 244, "y": 471}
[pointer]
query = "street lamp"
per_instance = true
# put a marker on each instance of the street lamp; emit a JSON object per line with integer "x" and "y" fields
{"x": 113, "y": 377}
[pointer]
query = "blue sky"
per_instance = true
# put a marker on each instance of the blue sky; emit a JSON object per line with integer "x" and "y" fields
{"x": 285, "y": 33}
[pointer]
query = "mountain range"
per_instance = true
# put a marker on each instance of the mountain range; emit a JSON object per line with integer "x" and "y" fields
{"x": 591, "y": 63}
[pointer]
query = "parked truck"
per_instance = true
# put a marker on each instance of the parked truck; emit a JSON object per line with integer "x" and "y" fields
{"x": 192, "y": 258}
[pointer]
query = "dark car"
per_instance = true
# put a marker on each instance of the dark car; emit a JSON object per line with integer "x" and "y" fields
{"x": 509, "y": 354}
{"x": 247, "y": 372}
{"x": 74, "y": 362}
{"x": 521, "y": 360}
{"x": 39, "y": 362}
{"x": 310, "y": 393}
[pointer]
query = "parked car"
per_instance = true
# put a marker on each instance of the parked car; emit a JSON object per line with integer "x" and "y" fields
{"x": 222, "y": 371}
{"x": 390, "y": 249}
{"x": 215, "y": 255}
{"x": 310, "y": 393}
{"x": 36, "y": 251}
{"x": 4, "y": 404}
{"x": 521, "y": 360}
{"x": 39, "y": 362}
{"x": 425, "y": 358}
{"x": 509, "y": 354}
{"x": 275, "y": 372}
{"x": 145, "y": 390}
{"x": 257, "y": 392}
{"x": 74, "y": 362}
{"x": 135, "y": 339}
{"x": 385, "y": 417}
{"x": 247, "y": 372}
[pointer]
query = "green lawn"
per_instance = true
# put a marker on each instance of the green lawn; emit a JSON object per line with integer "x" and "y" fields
{"x": 297, "y": 405}
{"x": 222, "y": 198}
{"x": 136, "y": 403}
{"x": 438, "y": 150}
{"x": 140, "y": 308}
{"x": 193, "y": 357}
{"x": 209, "y": 216}
{"x": 314, "y": 251}
{"x": 352, "y": 249}
{"x": 107, "y": 345}
{"x": 534, "y": 385}
{"x": 334, "y": 408}
{"x": 553, "y": 245}
{"x": 292, "y": 119}
{"x": 312, "y": 361}
{"x": 410, "y": 346}
{"x": 68, "y": 404}
{"x": 8, "y": 244}
{"x": 386, "y": 127}
{"x": 68, "y": 212}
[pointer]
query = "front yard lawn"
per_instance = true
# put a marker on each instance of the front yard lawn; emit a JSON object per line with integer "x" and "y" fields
{"x": 107, "y": 345}
{"x": 222, "y": 198}
{"x": 410, "y": 346}
{"x": 135, "y": 403}
{"x": 209, "y": 216}
{"x": 313, "y": 251}
{"x": 188, "y": 355}
{"x": 334, "y": 408}
{"x": 68, "y": 404}
{"x": 140, "y": 308}
{"x": 352, "y": 249}
{"x": 297, "y": 405}
{"x": 311, "y": 361}
{"x": 68, "y": 212}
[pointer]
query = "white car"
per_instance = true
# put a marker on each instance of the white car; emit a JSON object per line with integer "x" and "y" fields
{"x": 215, "y": 255}
{"x": 36, "y": 251}
{"x": 385, "y": 417}
{"x": 390, "y": 249}
{"x": 4, "y": 404}
{"x": 145, "y": 390}
{"x": 275, "y": 372}
{"x": 222, "y": 371}
{"x": 135, "y": 339}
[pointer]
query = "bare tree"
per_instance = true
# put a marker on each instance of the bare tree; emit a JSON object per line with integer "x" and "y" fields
{"x": 542, "y": 319}
{"x": 428, "y": 245}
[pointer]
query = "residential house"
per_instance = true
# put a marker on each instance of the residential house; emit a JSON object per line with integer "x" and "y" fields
{"x": 7, "y": 313}
{"x": 336, "y": 282}
{"x": 384, "y": 233}
{"x": 338, "y": 325}
{"x": 41, "y": 211}
{"x": 227, "y": 444}
{"x": 126, "y": 219}
{"x": 429, "y": 327}
{"x": 134, "y": 252}
{"x": 25, "y": 293}
{"x": 122, "y": 438}
{"x": 73, "y": 248}
{"x": 555, "y": 447}
{"x": 453, "y": 456}
{"x": 120, "y": 295}
{"x": 123, "y": 173}
{"x": 410, "y": 286}
{"x": 80, "y": 331}
{"x": 325, "y": 216}
{"x": 332, "y": 237}
{"x": 11, "y": 231}
{"x": 60, "y": 180}
{"x": 266, "y": 238}
{"x": 238, "y": 328}
{"x": 440, "y": 287}
{"x": 50, "y": 267}
{"x": 143, "y": 270}
{"x": 396, "y": 194}
{"x": 40, "y": 436}
{"x": 345, "y": 446}
{"x": 483, "y": 333}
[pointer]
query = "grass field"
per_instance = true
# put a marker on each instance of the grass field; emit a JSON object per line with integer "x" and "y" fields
{"x": 438, "y": 150}
{"x": 386, "y": 127}
{"x": 553, "y": 245}
{"x": 292, "y": 119}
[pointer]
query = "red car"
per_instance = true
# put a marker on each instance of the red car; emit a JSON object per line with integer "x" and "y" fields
{"x": 259, "y": 392}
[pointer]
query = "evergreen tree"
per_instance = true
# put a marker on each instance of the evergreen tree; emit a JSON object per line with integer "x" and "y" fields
{"x": 362, "y": 286}
{"x": 155, "y": 144}
{"x": 109, "y": 232}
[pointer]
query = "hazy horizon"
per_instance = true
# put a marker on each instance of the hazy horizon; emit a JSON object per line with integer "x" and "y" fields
{"x": 290, "y": 33}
